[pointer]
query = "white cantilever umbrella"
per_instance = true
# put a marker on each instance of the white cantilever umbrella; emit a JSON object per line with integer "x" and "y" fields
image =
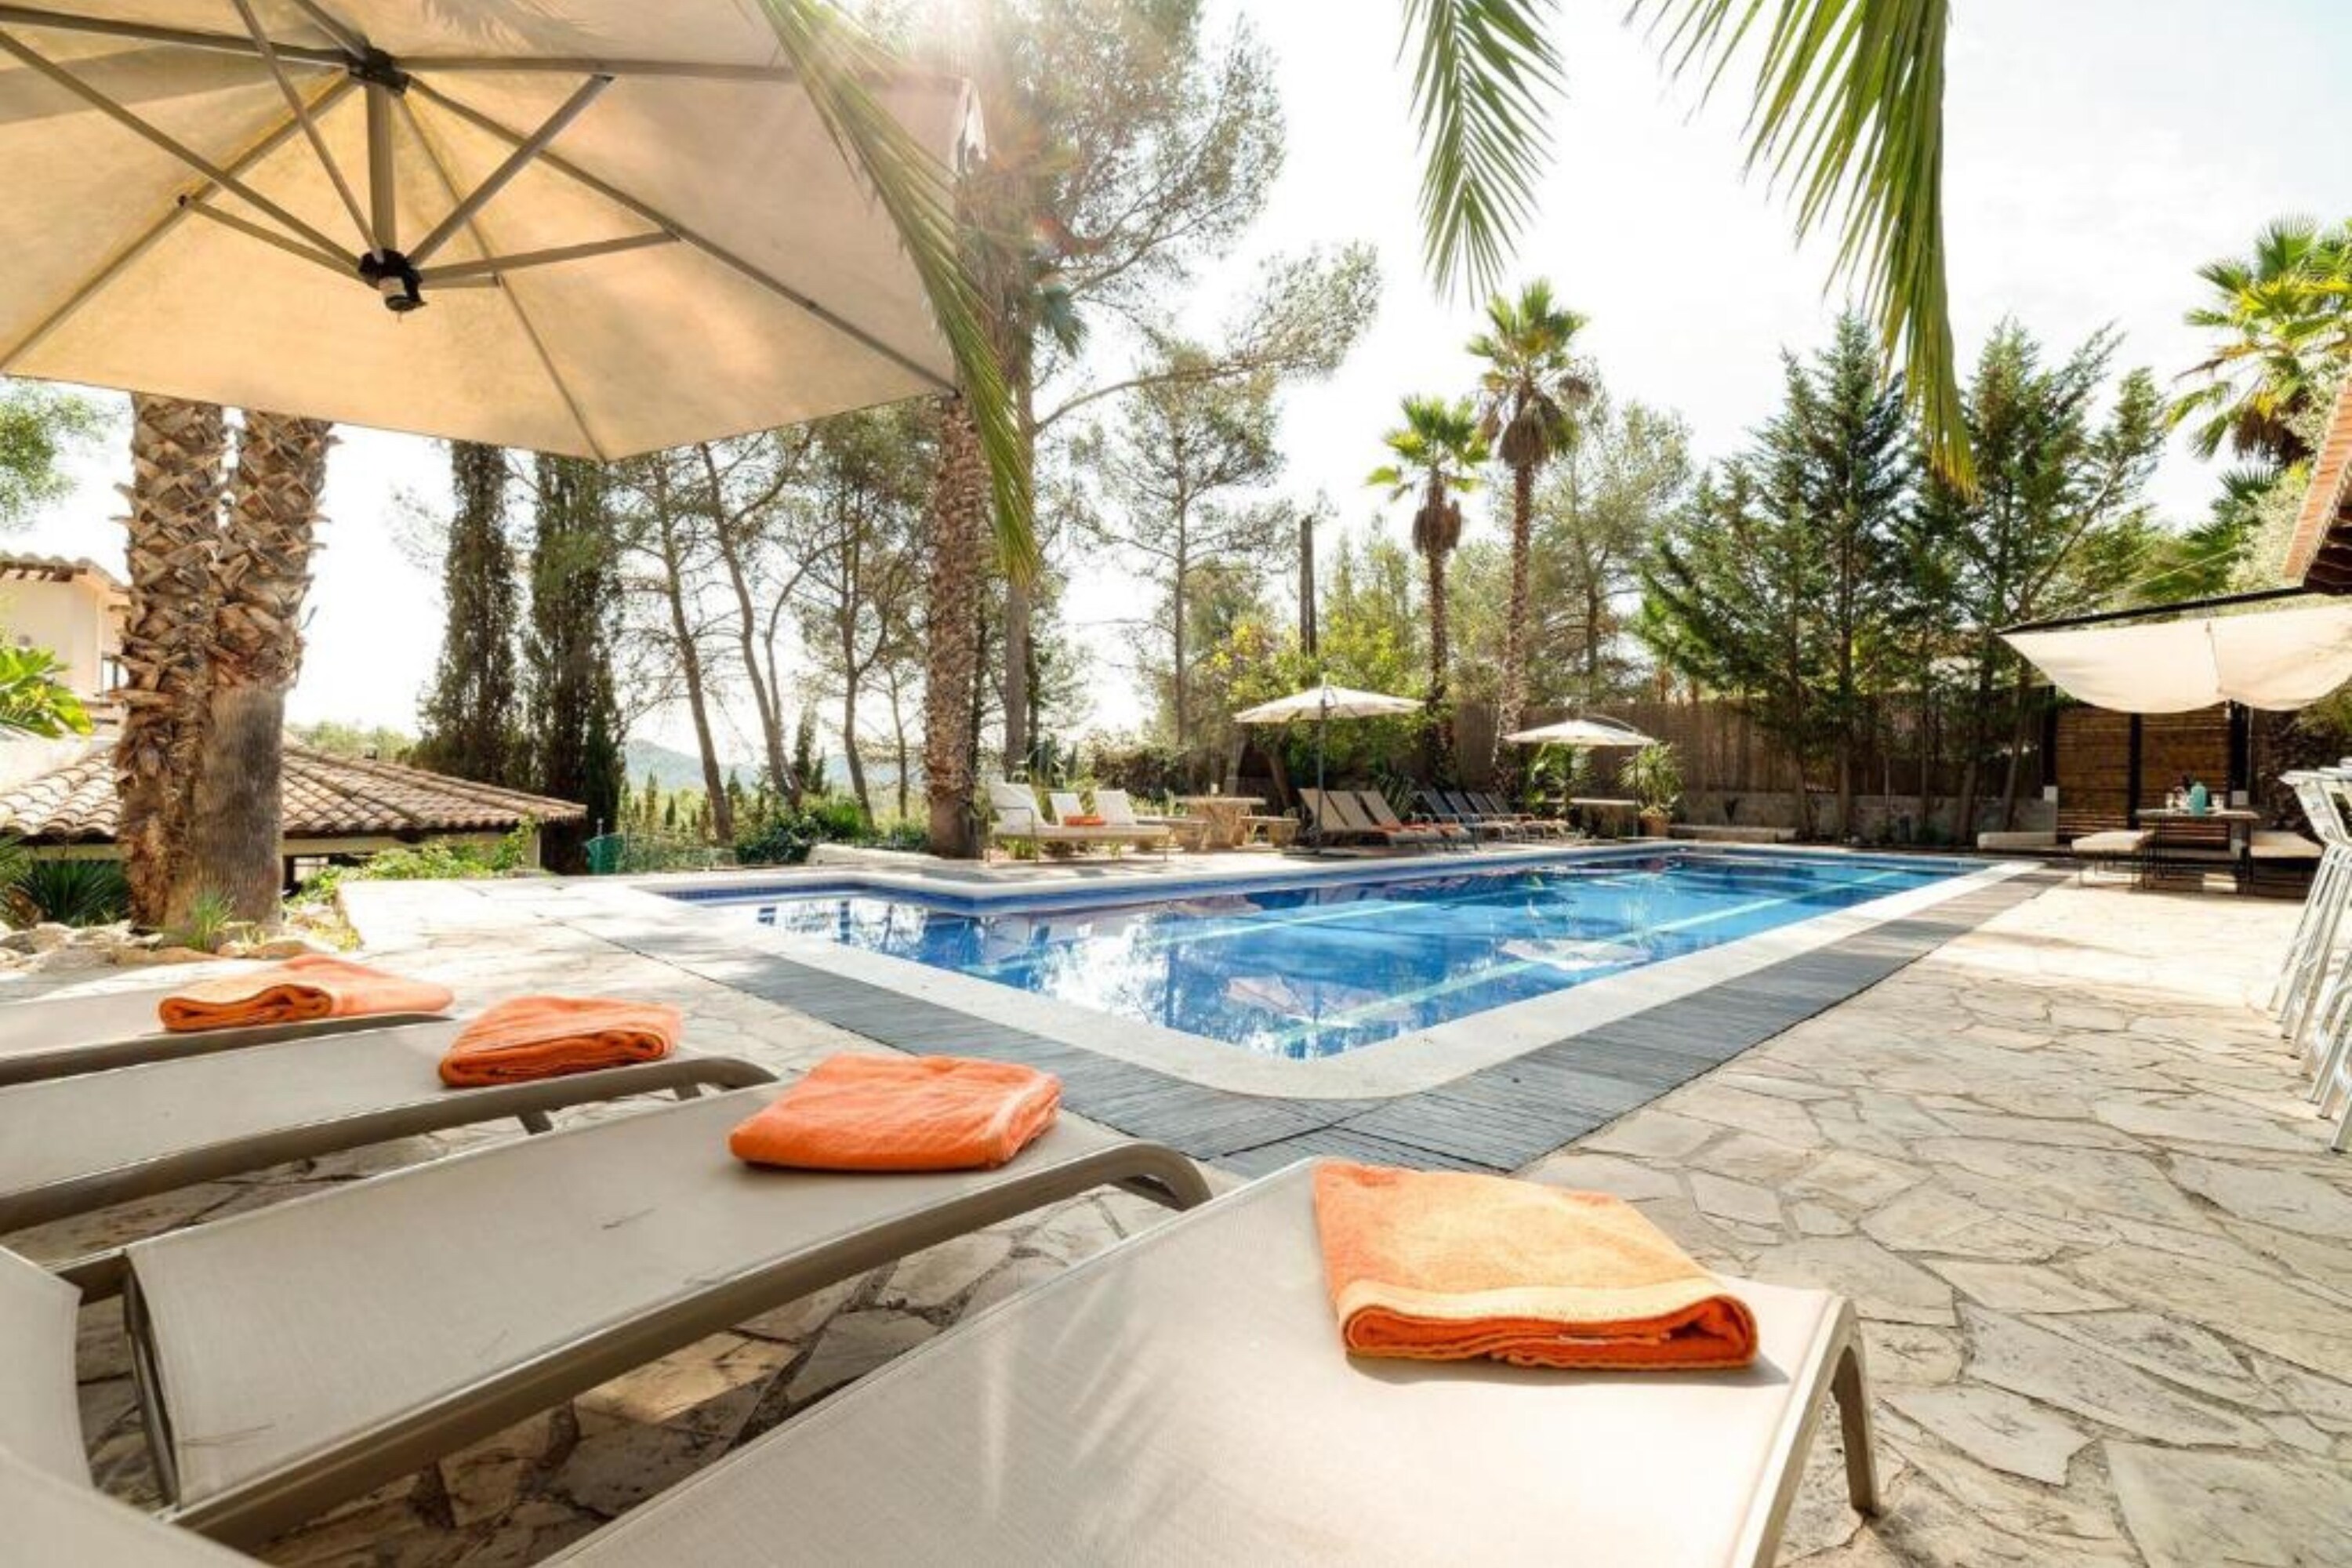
{"x": 587, "y": 227}
{"x": 1595, "y": 733}
{"x": 1324, "y": 703}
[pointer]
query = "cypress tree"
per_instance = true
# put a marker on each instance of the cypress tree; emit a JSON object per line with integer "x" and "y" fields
{"x": 575, "y": 720}
{"x": 471, "y": 715}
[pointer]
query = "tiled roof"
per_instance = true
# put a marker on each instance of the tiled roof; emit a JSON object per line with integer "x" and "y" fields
{"x": 325, "y": 798}
{"x": 2321, "y": 555}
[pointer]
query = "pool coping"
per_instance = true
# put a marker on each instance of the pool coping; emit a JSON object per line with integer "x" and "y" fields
{"x": 1406, "y": 1064}
{"x": 1499, "y": 1118}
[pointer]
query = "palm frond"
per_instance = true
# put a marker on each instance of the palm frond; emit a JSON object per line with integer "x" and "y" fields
{"x": 1848, "y": 117}
{"x": 1484, "y": 71}
{"x": 835, "y": 59}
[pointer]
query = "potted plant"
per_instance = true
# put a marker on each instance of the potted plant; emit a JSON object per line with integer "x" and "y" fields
{"x": 1657, "y": 780}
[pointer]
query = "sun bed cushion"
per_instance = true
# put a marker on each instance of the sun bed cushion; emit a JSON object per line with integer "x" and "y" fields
{"x": 2115, "y": 841}
{"x": 456, "y": 1296}
{"x": 1184, "y": 1398}
{"x": 2272, "y": 843}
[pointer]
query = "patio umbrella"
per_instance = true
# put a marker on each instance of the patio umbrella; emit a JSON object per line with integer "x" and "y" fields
{"x": 1581, "y": 732}
{"x": 595, "y": 228}
{"x": 1324, "y": 703}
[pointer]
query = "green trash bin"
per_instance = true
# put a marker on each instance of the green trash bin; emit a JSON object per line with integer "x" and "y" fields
{"x": 605, "y": 853}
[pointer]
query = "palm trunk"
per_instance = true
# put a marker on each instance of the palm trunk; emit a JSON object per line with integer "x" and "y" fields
{"x": 958, "y": 523}
{"x": 1513, "y": 704}
{"x": 264, "y": 573}
{"x": 176, "y": 451}
{"x": 1439, "y": 655}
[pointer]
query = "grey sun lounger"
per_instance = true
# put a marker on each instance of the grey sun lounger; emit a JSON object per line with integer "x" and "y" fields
{"x": 1376, "y": 810}
{"x": 73, "y": 1144}
{"x": 52, "y": 1036}
{"x": 297, "y": 1355}
{"x": 1183, "y": 1397}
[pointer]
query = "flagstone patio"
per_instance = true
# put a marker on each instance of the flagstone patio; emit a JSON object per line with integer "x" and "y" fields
{"x": 2062, "y": 1164}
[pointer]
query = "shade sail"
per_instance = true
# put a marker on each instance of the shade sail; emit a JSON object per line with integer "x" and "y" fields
{"x": 2280, "y": 659}
{"x": 1581, "y": 732}
{"x": 1328, "y": 702}
{"x": 626, "y": 224}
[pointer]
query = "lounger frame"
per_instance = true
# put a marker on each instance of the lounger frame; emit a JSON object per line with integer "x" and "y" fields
{"x": 141, "y": 1039}
{"x": 263, "y": 1505}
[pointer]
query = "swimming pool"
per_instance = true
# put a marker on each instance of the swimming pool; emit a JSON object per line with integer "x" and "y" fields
{"x": 1315, "y": 970}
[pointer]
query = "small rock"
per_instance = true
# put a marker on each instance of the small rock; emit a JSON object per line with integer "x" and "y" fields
{"x": 70, "y": 960}
{"x": 281, "y": 947}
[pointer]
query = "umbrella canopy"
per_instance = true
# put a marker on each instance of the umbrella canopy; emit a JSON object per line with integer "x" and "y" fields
{"x": 601, "y": 227}
{"x": 1327, "y": 701}
{"x": 1583, "y": 733}
{"x": 2279, "y": 659}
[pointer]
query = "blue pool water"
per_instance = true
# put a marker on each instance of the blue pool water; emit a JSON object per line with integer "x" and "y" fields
{"x": 1313, "y": 971}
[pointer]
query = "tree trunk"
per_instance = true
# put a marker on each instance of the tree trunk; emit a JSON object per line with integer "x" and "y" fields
{"x": 2019, "y": 721}
{"x": 958, "y": 523}
{"x": 766, "y": 700}
{"x": 690, "y": 662}
{"x": 1513, "y": 702}
{"x": 1308, "y": 634}
{"x": 1964, "y": 826}
{"x": 1180, "y": 689}
{"x": 898, "y": 742}
{"x": 1442, "y": 763}
{"x": 174, "y": 526}
{"x": 1019, "y": 609}
{"x": 849, "y": 752}
{"x": 263, "y": 569}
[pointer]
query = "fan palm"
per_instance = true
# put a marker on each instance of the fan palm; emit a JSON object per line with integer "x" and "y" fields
{"x": 1846, "y": 113}
{"x": 1438, "y": 452}
{"x": 2283, "y": 323}
{"x": 1529, "y": 395}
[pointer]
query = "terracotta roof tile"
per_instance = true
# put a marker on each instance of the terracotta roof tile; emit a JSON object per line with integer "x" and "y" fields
{"x": 325, "y": 798}
{"x": 2321, "y": 554}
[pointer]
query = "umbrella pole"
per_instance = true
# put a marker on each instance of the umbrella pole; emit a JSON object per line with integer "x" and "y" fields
{"x": 1322, "y": 722}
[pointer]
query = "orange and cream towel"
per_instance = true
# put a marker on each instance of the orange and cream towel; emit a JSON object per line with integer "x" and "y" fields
{"x": 902, "y": 1113}
{"x": 1444, "y": 1266}
{"x": 299, "y": 991}
{"x": 547, "y": 1037}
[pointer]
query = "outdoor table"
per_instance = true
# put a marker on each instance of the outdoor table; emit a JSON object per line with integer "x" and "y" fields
{"x": 2240, "y": 821}
{"x": 1224, "y": 813}
{"x": 2173, "y": 850}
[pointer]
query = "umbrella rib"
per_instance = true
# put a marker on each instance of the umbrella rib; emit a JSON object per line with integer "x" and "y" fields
{"x": 444, "y": 276}
{"x": 186, "y": 38}
{"x": 498, "y": 179}
{"x": 326, "y": 259}
{"x": 522, "y": 317}
{"x": 349, "y": 39}
{"x": 159, "y": 139}
{"x": 309, "y": 128}
{"x": 107, "y": 273}
{"x": 710, "y": 248}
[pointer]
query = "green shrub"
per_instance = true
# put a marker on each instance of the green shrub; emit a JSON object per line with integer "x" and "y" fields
{"x": 72, "y": 892}
{"x": 436, "y": 859}
{"x": 209, "y": 923}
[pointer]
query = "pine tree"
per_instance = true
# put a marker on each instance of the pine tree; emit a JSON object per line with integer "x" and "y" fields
{"x": 575, "y": 720}
{"x": 472, "y": 713}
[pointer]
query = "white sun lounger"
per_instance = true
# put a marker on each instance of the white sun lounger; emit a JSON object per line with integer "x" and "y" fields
{"x": 1181, "y": 1398}
{"x": 53, "y": 1036}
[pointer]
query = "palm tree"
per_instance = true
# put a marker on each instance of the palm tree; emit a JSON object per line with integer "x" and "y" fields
{"x": 177, "y": 450}
{"x": 1846, "y": 113}
{"x": 1529, "y": 398}
{"x": 2282, "y": 320}
{"x": 262, "y": 571}
{"x": 956, "y": 562}
{"x": 1438, "y": 452}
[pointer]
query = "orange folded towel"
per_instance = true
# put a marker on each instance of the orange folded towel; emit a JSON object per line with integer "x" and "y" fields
{"x": 901, "y": 1113}
{"x": 1084, "y": 822}
{"x": 296, "y": 992}
{"x": 547, "y": 1037}
{"x": 1442, "y": 1266}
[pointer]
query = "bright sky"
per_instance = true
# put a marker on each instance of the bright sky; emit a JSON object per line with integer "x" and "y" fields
{"x": 2100, "y": 150}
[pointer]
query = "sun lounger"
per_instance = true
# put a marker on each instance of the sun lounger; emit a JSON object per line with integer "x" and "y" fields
{"x": 302, "y": 1353}
{"x": 1440, "y": 808}
{"x": 1018, "y": 819}
{"x": 1337, "y": 819}
{"x": 1540, "y": 827}
{"x": 1184, "y": 1398}
{"x": 55, "y": 1035}
{"x": 1180, "y": 1397}
{"x": 1148, "y": 835}
{"x": 75, "y": 1145}
{"x": 1377, "y": 811}
{"x": 1480, "y": 821}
